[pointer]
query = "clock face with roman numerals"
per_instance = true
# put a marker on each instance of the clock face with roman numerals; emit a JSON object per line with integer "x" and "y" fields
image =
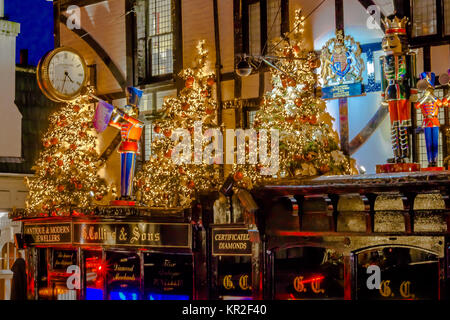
{"x": 62, "y": 74}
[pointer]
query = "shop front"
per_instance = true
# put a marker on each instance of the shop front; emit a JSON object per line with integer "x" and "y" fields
{"x": 107, "y": 259}
{"x": 374, "y": 237}
{"x": 330, "y": 271}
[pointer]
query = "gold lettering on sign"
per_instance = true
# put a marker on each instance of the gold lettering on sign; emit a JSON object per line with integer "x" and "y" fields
{"x": 123, "y": 234}
{"x": 232, "y": 237}
{"x": 299, "y": 286}
{"x": 243, "y": 282}
{"x": 124, "y": 277}
{"x": 405, "y": 290}
{"x": 385, "y": 290}
{"x": 228, "y": 283}
{"x": 50, "y": 233}
{"x": 144, "y": 236}
{"x": 315, "y": 286}
{"x": 97, "y": 233}
{"x": 121, "y": 268}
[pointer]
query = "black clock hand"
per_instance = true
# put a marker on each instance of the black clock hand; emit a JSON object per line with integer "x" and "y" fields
{"x": 69, "y": 78}
{"x": 64, "y": 82}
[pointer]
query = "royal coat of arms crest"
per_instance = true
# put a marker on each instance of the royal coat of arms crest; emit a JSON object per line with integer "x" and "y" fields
{"x": 341, "y": 61}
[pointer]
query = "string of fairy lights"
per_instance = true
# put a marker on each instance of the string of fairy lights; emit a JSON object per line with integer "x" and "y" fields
{"x": 67, "y": 169}
{"x": 308, "y": 144}
{"x": 162, "y": 182}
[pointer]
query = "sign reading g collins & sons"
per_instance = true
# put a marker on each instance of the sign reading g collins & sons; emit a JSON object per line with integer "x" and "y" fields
{"x": 49, "y": 233}
{"x": 231, "y": 241}
{"x": 174, "y": 235}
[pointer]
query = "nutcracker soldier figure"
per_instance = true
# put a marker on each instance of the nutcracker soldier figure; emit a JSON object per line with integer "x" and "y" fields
{"x": 429, "y": 106}
{"x": 398, "y": 84}
{"x": 131, "y": 130}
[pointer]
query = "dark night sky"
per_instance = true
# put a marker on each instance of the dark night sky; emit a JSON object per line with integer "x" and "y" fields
{"x": 36, "y": 26}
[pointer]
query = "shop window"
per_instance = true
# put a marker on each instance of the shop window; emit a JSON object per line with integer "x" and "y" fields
{"x": 155, "y": 33}
{"x": 168, "y": 276}
{"x": 234, "y": 280}
{"x": 308, "y": 273}
{"x": 405, "y": 274}
{"x": 53, "y": 273}
{"x": 424, "y": 18}
{"x": 58, "y": 274}
{"x": 123, "y": 278}
{"x": 94, "y": 275}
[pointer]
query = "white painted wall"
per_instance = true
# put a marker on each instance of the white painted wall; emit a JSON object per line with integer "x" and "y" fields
{"x": 355, "y": 23}
{"x": 11, "y": 128}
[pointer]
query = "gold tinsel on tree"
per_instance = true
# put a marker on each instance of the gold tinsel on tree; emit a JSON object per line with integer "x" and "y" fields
{"x": 66, "y": 171}
{"x": 162, "y": 182}
{"x": 309, "y": 146}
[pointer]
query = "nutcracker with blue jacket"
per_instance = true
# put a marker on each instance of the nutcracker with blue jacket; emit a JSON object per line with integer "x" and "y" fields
{"x": 429, "y": 104}
{"x": 124, "y": 119}
{"x": 398, "y": 84}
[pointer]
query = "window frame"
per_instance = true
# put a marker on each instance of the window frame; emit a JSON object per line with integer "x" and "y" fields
{"x": 284, "y": 23}
{"x": 176, "y": 45}
{"x": 439, "y": 37}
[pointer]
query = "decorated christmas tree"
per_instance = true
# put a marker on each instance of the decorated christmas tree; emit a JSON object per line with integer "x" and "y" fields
{"x": 308, "y": 144}
{"x": 66, "y": 171}
{"x": 173, "y": 177}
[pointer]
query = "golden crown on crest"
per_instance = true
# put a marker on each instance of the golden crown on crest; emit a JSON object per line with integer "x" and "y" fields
{"x": 396, "y": 25}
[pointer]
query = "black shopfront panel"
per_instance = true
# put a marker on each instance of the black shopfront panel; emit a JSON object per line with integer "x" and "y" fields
{"x": 123, "y": 275}
{"x": 404, "y": 274}
{"x": 234, "y": 277}
{"x": 168, "y": 276}
{"x": 308, "y": 273}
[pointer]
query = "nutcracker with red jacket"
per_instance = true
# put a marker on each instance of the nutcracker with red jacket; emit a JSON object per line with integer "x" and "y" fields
{"x": 398, "y": 84}
{"x": 429, "y": 105}
{"x": 130, "y": 129}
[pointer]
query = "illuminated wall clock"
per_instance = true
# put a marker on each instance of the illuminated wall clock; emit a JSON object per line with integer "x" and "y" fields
{"x": 62, "y": 74}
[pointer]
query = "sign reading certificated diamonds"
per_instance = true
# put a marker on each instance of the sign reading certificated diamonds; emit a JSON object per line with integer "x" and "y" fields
{"x": 231, "y": 241}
